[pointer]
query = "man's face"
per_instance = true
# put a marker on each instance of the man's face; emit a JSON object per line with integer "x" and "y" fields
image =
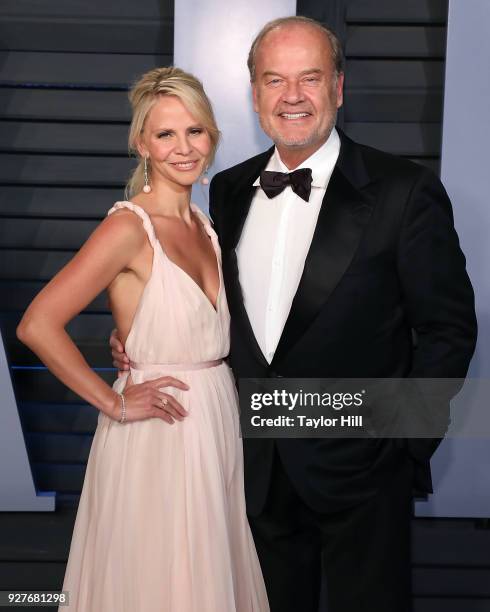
{"x": 296, "y": 92}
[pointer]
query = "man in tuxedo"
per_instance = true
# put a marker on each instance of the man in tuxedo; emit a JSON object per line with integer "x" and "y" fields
{"x": 333, "y": 287}
{"x": 329, "y": 273}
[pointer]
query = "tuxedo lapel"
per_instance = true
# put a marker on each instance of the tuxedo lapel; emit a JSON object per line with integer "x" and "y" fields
{"x": 236, "y": 211}
{"x": 344, "y": 213}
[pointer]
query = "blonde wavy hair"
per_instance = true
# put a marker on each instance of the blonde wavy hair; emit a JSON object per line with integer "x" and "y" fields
{"x": 146, "y": 91}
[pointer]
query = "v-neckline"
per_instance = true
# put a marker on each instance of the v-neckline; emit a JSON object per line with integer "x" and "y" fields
{"x": 195, "y": 209}
{"x": 215, "y": 308}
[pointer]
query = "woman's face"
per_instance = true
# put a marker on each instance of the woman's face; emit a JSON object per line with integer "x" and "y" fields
{"x": 177, "y": 144}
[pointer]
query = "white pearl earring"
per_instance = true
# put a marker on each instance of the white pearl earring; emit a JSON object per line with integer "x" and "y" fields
{"x": 147, "y": 186}
{"x": 204, "y": 179}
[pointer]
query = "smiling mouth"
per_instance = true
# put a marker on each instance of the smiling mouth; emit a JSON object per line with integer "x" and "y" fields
{"x": 293, "y": 116}
{"x": 189, "y": 165}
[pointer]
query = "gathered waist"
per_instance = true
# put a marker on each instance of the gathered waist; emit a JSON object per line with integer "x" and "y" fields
{"x": 173, "y": 367}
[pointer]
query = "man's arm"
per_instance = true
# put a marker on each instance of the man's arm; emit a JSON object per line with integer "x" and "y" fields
{"x": 439, "y": 299}
{"x": 119, "y": 358}
{"x": 438, "y": 296}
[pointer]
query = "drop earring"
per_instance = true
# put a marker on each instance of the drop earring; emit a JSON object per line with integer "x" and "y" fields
{"x": 204, "y": 179}
{"x": 147, "y": 187}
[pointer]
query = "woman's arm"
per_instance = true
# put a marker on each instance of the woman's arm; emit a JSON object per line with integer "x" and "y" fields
{"x": 109, "y": 250}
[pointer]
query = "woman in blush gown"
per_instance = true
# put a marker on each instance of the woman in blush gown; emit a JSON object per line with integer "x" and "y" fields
{"x": 161, "y": 523}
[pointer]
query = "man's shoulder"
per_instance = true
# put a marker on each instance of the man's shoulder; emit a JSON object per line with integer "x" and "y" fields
{"x": 389, "y": 166}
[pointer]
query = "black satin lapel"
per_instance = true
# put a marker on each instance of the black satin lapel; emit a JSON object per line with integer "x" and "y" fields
{"x": 234, "y": 226}
{"x": 236, "y": 211}
{"x": 343, "y": 216}
{"x": 236, "y": 305}
{"x": 236, "y": 214}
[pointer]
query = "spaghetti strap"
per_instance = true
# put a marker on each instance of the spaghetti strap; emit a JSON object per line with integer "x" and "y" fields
{"x": 208, "y": 228}
{"x": 203, "y": 218}
{"x": 142, "y": 214}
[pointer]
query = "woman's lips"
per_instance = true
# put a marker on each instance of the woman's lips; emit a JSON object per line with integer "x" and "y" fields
{"x": 184, "y": 166}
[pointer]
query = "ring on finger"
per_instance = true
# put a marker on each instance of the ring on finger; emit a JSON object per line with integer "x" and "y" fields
{"x": 164, "y": 401}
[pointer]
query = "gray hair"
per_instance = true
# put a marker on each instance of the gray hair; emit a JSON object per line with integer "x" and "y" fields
{"x": 335, "y": 44}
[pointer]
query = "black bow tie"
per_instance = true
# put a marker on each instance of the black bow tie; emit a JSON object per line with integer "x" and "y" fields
{"x": 274, "y": 182}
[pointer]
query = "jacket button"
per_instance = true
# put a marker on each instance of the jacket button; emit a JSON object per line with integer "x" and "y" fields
{"x": 273, "y": 374}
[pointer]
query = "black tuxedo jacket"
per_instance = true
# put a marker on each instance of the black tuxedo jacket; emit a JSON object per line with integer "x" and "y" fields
{"x": 384, "y": 261}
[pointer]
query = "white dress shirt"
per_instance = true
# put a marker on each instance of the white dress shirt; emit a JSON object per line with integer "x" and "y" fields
{"x": 274, "y": 244}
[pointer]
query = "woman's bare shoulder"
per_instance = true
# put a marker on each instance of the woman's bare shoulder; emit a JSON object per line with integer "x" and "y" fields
{"x": 122, "y": 225}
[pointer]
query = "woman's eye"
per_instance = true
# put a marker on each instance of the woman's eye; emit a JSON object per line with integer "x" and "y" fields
{"x": 164, "y": 135}
{"x": 196, "y": 131}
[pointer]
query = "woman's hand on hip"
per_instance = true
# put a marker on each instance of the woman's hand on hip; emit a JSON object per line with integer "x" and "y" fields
{"x": 146, "y": 401}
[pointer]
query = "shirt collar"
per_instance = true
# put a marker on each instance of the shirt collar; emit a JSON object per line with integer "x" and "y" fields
{"x": 322, "y": 162}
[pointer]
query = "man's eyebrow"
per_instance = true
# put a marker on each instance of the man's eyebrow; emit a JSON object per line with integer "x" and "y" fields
{"x": 271, "y": 73}
{"x": 311, "y": 71}
{"x": 268, "y": 73}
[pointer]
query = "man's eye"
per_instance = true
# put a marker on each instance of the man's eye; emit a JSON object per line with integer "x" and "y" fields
{"x": 312, "y": 79}
{"x": 274, "y": 82}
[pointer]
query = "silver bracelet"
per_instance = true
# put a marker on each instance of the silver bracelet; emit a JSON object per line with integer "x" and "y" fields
{"x": 123, "y": 408}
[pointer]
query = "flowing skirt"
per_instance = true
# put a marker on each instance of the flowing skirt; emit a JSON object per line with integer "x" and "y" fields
{"x": 161, "y": 523}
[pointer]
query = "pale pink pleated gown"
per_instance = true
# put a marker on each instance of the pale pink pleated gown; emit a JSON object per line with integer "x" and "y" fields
{"x": 161, "y": 524}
